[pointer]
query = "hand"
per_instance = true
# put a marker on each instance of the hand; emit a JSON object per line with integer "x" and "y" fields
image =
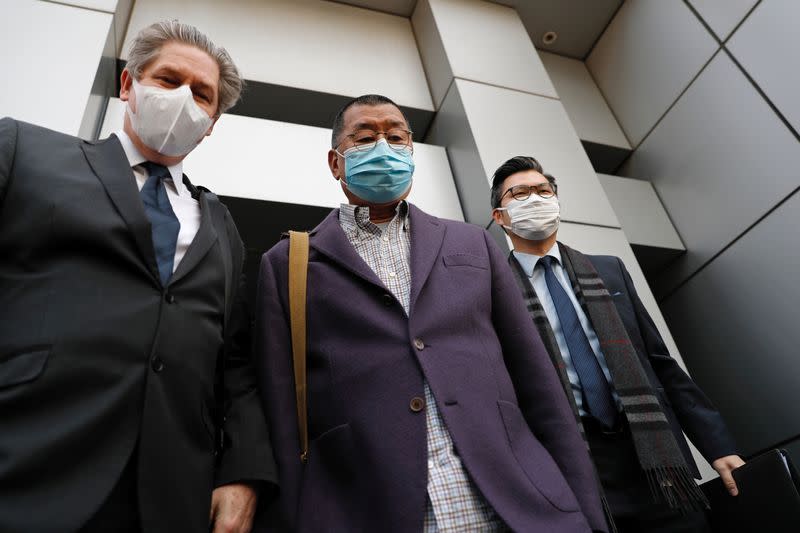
{"x": 724, "y": 466}
{"x": 232, "y": 508}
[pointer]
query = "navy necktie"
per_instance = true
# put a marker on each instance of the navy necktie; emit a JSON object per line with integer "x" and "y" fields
{"x": 597, "y": 396}
{"x": 164, "y": 223}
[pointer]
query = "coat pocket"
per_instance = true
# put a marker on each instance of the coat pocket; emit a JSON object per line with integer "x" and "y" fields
{"x": 327, "y": 493}
{"x": 476, "y": 261}
{"x": 23, "y": 367}
{"x": 535, "y": 461}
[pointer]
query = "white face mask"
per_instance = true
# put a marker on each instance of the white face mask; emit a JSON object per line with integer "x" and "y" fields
{"x": 534, "y": 219}
{"x": 168, "y": 121}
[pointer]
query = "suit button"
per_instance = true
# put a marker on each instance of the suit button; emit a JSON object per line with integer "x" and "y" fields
{"x": 388, "y": 300}
{"x": 417, "y": 404}
{"x": 157, "y": 364}
{"x": 418, "y": 344}
{"x": 169, "y": 298}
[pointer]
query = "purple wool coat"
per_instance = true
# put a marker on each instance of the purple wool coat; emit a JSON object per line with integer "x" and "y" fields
{"x": 469, "y": 335}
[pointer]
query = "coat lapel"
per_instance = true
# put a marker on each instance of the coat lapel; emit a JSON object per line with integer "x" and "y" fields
{"x": 204, "y": 239}
{"x": 110, "y": 164}
{"x": 329, "y": 239}
{"x": 427, "y": 235}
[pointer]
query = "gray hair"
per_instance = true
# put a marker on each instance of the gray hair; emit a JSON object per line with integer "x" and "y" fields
{"x": 147, "y": 45}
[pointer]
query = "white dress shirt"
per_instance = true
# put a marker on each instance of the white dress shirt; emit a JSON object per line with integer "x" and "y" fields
{"x": 535, "y": 272}
{"x": 186, "y": 208}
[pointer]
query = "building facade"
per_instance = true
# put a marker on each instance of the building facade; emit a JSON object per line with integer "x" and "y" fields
{"x": 672, "y": 127}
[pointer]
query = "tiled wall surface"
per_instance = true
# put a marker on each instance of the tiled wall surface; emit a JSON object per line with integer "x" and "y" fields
{"x": 706, "y": 91}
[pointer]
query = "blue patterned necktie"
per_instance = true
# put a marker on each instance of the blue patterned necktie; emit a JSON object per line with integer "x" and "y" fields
{"x": 598, "y": 399}
{"x": 162, "y": 218}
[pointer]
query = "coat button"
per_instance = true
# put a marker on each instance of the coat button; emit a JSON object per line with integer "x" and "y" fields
{"x": 157, "y": 364}
{"x": 417, "y": 404}
{"x": 169, "y": 298}
{"x": 418, "y": 344}
{"x": 388, "y": 300}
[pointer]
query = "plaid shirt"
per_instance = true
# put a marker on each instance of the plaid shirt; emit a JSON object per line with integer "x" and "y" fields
{"x": 454, "y": 503}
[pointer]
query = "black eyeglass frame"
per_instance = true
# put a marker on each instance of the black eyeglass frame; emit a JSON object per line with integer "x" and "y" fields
{"x": 408, "y": 144}
{"x": 532, "y": 189}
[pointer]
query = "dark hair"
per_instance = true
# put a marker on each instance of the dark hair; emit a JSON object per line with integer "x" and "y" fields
{"x": 516, "y": 164}
{"x": 366, "y": 99}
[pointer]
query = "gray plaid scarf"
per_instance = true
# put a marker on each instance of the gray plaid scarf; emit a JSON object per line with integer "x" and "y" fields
{"x": 656, "y": 448}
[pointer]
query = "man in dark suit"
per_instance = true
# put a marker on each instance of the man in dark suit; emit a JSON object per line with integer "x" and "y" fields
{"x": 124, "y": 351}
{"x": 432, "y": 404}
{"x": 630, "y": 398}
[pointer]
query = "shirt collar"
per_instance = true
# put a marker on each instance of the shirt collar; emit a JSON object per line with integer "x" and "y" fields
{"x": 135, "y": 157}
{"x": 356, "y": 217}
{"x": 528, "y": 261}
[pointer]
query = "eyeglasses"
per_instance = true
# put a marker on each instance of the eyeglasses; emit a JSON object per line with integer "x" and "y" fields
{"x": 523, "y": 192}
{"x": 398, "y": 139}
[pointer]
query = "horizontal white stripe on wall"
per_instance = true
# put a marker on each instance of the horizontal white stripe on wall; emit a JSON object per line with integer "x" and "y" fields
{"x": 281, "y": 162}
{"x": 307, "y": 44}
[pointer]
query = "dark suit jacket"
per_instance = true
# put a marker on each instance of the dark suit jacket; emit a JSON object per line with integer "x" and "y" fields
{"x": 97, "y": 360}
{"x": 685, "y": 405}
{"x": 494, "y": 384}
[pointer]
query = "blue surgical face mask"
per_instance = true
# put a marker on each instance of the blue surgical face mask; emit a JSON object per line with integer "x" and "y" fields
{"x": 379, "y": 175}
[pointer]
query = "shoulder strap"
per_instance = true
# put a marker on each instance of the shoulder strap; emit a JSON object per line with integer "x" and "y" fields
{"x": 298, "y": 279}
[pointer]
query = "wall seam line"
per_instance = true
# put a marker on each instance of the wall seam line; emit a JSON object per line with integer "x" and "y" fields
{"x": 79, "y": 7}
{"x": 725, "y": 248}
{"x": 763, "y": 94}
{"x": 600, "y": 35}
{"x": 705, "y": 24}
{"x": 556, "y": 98}
{"x": 741, "y": 22}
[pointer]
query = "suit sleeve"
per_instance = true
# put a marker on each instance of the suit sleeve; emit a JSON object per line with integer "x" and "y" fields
{"x": 541, "y": 398}
{"x": 8, "y": 147}
{"x": 247, "y": 456}
{"x": 696, "y": 414}
{"x": 276, "y": 381}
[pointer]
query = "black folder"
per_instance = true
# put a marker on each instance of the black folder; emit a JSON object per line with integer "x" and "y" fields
{"x": 768, "y": 500}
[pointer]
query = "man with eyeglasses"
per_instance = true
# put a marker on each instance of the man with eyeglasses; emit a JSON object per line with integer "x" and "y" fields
{"x": 432, "y": 404}
{"x": 629, "y": 396}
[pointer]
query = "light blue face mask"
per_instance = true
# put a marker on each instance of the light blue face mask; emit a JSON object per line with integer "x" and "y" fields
{"x": 380, "y": 175}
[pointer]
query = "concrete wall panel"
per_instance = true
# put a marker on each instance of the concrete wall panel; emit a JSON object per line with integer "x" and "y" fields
{"x": 585, "y": 105}
{"x": 736, "y": 323}
{"x": 308, "y": 44}
{"x": 716, "y": 171}
{"x": 52, "y": 53}
{"x": 768, "y": 45}
{"x": 640, "y": 212}
{"x": 484, "y": 42}
{"x": 109, "y": 6}
{"x": 451, "y": 128}
{"x": 432, "y": 51}
{"x": 648, "y": 54}
{"x": 722, "y": 16}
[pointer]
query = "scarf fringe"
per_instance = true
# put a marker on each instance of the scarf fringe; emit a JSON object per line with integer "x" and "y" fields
{"x": 676, "y": 487}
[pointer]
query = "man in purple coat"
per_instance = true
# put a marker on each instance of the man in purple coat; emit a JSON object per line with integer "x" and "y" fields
{"x": 432, "y": 403}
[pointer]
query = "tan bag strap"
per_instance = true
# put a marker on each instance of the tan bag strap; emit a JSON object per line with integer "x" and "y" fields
{"x": 298, "y": 278}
